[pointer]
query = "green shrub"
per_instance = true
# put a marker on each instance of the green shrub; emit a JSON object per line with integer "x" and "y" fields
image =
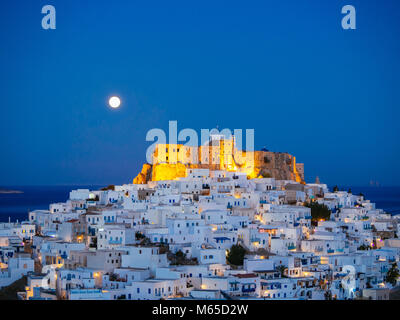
{"x": 236, "y": 255}
{"x": 319, "y": 211}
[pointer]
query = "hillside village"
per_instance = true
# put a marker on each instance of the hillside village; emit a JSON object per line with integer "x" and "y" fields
{"x": 213, "y": 234}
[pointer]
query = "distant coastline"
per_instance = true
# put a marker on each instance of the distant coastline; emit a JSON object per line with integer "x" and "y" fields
{"x": 10, "y": 191}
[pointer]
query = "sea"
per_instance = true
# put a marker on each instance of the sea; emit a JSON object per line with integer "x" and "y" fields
{"x": 17, "y": 205}
{"x": 384, "y": 197}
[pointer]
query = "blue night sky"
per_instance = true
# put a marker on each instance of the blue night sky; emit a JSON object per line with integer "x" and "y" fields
{"x": 285, "y": 68}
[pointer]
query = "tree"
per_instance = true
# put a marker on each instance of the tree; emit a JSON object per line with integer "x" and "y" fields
{"x": 180, "y": 255}
{"x": 93, "y": 244}
{"x": 392, "y": 274}
{"x": 349, "y": 191}
{"x": 328, "y": 295}
{"x": 139, "y": 235}
{"x": 281, "y": 269}
{"x": 319, "y": 211}
{"x": 163, "y": 248}
{"x": 335, "y": 189}
{"x": 236, "y": 255}
{"x": 179, "y": 258}
{"x": 113, "y": 277}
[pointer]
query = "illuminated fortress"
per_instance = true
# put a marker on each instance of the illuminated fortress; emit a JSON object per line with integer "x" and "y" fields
{"x": 170, "y": 161}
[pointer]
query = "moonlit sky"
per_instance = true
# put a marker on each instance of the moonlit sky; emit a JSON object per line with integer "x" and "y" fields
{"x": 285, "y": 68}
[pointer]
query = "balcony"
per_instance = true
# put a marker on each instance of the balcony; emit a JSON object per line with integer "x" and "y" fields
{"x": 248, "y": 290}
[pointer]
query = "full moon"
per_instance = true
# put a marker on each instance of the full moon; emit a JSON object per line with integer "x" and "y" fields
{"x": 114, "y": 102}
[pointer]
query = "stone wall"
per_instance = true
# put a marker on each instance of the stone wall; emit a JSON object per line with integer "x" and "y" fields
{"x": 281, "y": 166}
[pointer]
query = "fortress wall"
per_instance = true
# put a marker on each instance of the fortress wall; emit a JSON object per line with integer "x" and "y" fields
{"x": 171, "y": 162}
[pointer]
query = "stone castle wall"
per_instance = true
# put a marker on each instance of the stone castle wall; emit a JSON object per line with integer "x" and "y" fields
{"x": 281, "y": 166}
